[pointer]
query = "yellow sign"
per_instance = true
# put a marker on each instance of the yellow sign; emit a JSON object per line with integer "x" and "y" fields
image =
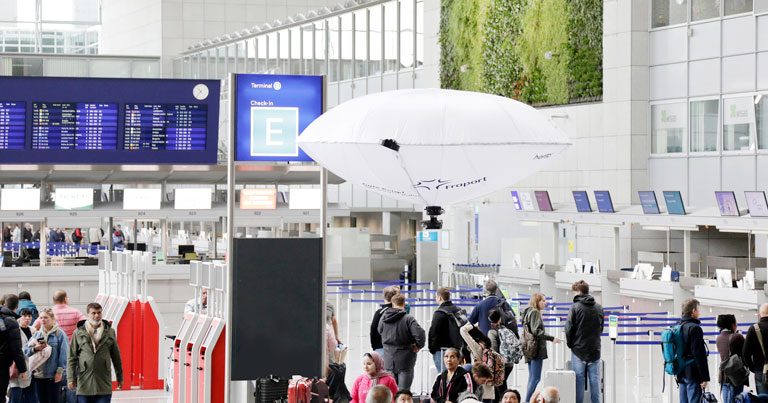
{"x": 570, "y": 246}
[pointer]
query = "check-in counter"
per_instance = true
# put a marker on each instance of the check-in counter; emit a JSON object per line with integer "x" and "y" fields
{"x": 528, "y": 281}
{"x": 605, "y": 291}
{"x": 653, "y": 295}
{"x": 730, "y": 299}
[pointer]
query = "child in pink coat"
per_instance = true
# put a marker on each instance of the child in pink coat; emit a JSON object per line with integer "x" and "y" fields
{"x": 373, "y": 365}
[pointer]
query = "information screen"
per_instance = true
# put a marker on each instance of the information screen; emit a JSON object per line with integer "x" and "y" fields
{"x": 649, "y": 202}
{"x": 674, "y": 201}
{"x": 726, "y": 202}
{"x": 516, "y": 200}
{"x": 604, "y": 203}
{"x": 108, "y": 121}
{"x": 13, "y": 122}
{"x": 757, "y": 204}
{"x": 582, "y": 201}
{"x": 542, "y": 199}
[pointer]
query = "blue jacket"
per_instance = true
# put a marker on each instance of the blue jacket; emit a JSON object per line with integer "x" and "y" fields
{"x": 25, "y": 303}
{"x": 59, "y": 352}
{"x": 480, "y": 313}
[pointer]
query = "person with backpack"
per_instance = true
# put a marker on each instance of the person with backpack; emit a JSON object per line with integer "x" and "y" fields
{"x": 730, "y": 343}
{"x": 444, "y": 330}
{"x": 692, "y": 378}
{"x": 480, "y": 349}
{"x": 402, "y": 338}
{"x": 10, "y": 344}
{"x": 754, "y": 351}
{"x": 504, "y": 342}
{"x": 534, "y": 341}
{"x": 583, "y": 330}
{"x": 480, "y": 313}
{"x": 387, "y": 293}
{"x": 25, "y": 301}
{"x": 452, "y": 381}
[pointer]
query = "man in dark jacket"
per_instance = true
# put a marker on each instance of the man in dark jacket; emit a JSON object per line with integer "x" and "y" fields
{"x": 695, "y": 375}
{"x": 402, "y": 338}
{"x": 10, "y": 343}
{"x": 480, "y": 313}
{"x": 582, "y": 334}
{"x": 754, "y": 355}
{"x": 441, "y": 335}
{"x": 376, "y": 345}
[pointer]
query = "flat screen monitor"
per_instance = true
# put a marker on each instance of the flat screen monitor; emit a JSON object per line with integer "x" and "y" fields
{"x": 604, "y": 203}
{"x": 516, "y": 200}
{"x": 542, "y": 199}
{"x": 184, "y": 249}
{"x": 726, "y": 202}
{"x": 756, "y": 203}
{"x": 674, "y": 201}
{"x": 582, "y": 201}
{"x": 649, "y": 202}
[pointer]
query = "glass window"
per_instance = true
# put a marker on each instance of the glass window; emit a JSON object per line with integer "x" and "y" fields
{"x": 60, "y": 67}
{"x": 333, "y": 49}
{"x": 738, "y": 123}
{"x": 668, "y": 12}
{"x": 419, "y": 33}
{"x": 70, "y": 10}
{"x": 361, "y": 43}
{"x": 250, "y": 53}
{"x": 668, "y": 127}
{"x": 210, "y": 72}
{"x": 272, "y": 53}
{"x": 320, "y": 49}
{"x": 704, "y": 9}
{"x": 374, "y": 65}
{"x": 737, "y": 7}
{"x": 761, "y": 112}
{"x": 308, "y": 48}
{"x": 704, "y": 124}
{"x": 261, "y": 54}
{"x": 347, "y": 49}
{"x": 285, "y": 42}
{"x": 407, "y": 32}
{"x": 390, "y": 37}
{"x": 295, "y": 51}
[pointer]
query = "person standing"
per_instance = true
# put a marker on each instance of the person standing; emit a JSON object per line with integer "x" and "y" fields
{"x": 94, "y": 235}
{"x": 495, "y": 335}
{"x": 10, "y": 344}
{"x": 442, "y": 334}
{"x": 729, "y": 342}
{"x": 387, "y": 293}
{"x": 16, "y": 234}
{"x": 402, "y": 338}
{"x": 373, "y": 365}
{"x": 66, "y": 316}
{"x": 483, "y": 308}
{"x": 754, "y": 354}
{"x": 25, "y": 301}
{"x": 693, "y": 380}
{"x": 535, "y": 326}
{"x": 583, "y": 330}
{"x": 46, "y": 379}
{"x": 21, "y": 390}
{"x": 28, "y": 234}
{"x": 94, "y": 345}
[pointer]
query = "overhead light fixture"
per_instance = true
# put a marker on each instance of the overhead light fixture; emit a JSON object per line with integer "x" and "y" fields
{"x": 654, "y": 228}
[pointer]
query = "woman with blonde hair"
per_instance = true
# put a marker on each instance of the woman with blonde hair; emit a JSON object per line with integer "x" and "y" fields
{"x": 47, "y": 377}
{"x": 534, "y": 325}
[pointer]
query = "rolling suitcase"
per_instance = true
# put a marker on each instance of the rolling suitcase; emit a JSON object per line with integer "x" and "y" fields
{"x": 300, "y": 390}
{"x": 601, "y": 379}
{"x": 564, "y": 381}
{"x": 271, "y": 389}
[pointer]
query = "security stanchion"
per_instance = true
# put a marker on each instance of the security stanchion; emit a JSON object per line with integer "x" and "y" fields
{"x": 349, "y": 320}
{"x": 613, "y": 333}
{"x": 650, "y": 362}
{"x": 637, "y": 349}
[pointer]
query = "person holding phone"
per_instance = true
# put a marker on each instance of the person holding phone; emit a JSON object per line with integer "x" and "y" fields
{"x": 46, "y": 378}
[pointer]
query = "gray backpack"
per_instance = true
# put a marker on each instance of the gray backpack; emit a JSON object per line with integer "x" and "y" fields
{"x": 509, "y": 345}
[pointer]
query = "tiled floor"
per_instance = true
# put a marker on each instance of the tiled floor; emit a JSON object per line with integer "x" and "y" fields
{"x": 147, "y": 396}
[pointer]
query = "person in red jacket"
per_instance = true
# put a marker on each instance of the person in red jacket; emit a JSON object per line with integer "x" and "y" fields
{"x": 374, "y": 375}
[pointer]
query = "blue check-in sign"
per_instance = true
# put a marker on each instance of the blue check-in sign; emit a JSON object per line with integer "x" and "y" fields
{"x": 274, "y": 132}
{"x": 271, "y": 112}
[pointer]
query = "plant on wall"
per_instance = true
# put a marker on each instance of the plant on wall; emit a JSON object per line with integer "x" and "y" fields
{"x": 542, "y": 52}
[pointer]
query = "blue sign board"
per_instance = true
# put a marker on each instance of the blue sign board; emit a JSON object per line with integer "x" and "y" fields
{"x": 427, "y": 236}
{"x": 648, "y": 201}
{"x": 674, "y": 202}
{"x": 516, "y": 200}
{"x": 604, "y": 203}
{"x": 582, "y": 201}
{"x": 272, "y": 112}
{"x": 48, "y": 120}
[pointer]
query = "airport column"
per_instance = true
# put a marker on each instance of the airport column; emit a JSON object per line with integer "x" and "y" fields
{"x": 230, "y": 232}
{"x": 686, "y": 253}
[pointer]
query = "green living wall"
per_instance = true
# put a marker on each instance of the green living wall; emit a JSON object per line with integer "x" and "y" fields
{"x": 542, "y": 52}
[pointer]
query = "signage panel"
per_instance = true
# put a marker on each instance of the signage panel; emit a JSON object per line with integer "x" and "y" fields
{"x": 258, "y": 199}
{"x": 141, "y": 199}
{"x": 74, "y": 199}
{"x": 192, "y": 199}
{"x": 272, "y": 112}
{"x": 20, "y": 199}
{"x": 305, "y": 199}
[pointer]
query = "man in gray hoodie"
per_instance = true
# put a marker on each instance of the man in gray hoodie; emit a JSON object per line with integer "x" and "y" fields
{"x": 402, "y": 338}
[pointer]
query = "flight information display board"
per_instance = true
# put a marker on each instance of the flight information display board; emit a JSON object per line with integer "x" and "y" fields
{"x": 108, "y": 121}
{"x": 13, "y": 120}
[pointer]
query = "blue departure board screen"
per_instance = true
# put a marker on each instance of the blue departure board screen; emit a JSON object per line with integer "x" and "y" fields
{"x": 13, "y": 121}
{"x": 108, "y": 121}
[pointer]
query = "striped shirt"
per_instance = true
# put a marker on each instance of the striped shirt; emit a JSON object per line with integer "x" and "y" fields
{"x": 67, "y": 318}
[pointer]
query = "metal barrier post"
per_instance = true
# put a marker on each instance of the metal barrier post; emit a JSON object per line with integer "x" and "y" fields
{"x": 614, "y": 381}
{"x": 362, "y": 308}
{"x": 650, "y": 361}
{"x": 349, "y": 320}
{"x": 670, "y": 378}
{"x": 637, "y": 348}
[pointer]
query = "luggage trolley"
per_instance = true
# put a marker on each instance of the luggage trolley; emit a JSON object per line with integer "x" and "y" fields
{"x": 185, "y": 333}
{"x": 211, "y": 378}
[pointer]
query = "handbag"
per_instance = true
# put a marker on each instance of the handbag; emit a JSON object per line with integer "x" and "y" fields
{"x": 39, "y": 358}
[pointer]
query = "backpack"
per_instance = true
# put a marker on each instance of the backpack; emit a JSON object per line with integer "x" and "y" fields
{"x": 672, "y": 350}
{"x": 528, "y": 343}
{"x": 746, "y": 397}
{"x": 509, "y": 346}
{"x": 735, "y": 371}
{"x": 508, "y": 319}
{"x": 495, "y": 362}
{"x": 455, "y": 321}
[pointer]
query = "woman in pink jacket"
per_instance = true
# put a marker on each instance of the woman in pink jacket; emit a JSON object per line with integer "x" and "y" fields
{"x": 373, "y": 365}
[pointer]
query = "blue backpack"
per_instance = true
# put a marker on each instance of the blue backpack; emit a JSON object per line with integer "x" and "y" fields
{"x": 672, "y": 350}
